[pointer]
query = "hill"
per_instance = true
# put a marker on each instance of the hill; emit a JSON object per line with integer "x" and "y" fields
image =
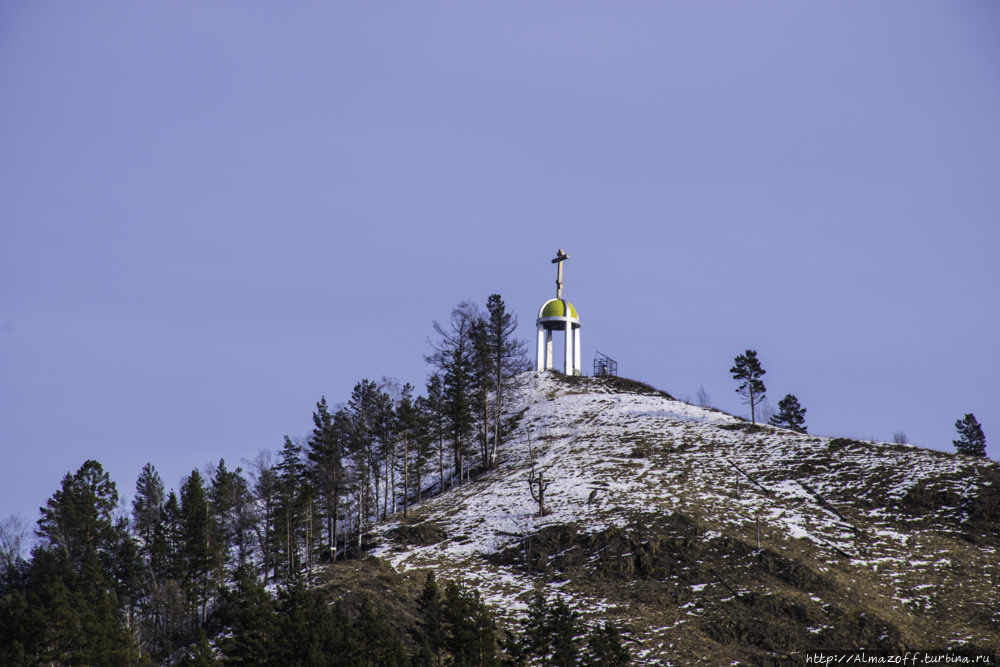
{"x": 655, "y": 511}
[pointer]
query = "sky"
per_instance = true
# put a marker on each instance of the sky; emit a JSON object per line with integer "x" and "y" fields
{"x": 214, "y": 214}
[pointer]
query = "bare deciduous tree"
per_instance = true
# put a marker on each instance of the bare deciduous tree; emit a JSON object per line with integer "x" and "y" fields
{"x": 703, "y": 398}
{"x": 537, "y": 485}
{"x": 900, "y": 438}
{"x": 13, "y": 540}
{"x": 765, "y": 412}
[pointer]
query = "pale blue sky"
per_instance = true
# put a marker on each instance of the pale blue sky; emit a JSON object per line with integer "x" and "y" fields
{"x": 212, "y": 214}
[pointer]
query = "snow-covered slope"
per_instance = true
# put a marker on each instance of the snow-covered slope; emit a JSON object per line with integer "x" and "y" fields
{"x": 654, "y": 507}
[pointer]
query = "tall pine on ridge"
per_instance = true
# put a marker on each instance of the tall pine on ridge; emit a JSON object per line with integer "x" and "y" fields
{"x": 748, "y": 372}
{"x": 971, "y": 440}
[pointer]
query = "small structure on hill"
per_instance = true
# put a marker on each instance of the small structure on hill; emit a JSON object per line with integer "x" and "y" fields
{"x": 558, "y": 315}
{"x": 605, "y": 365}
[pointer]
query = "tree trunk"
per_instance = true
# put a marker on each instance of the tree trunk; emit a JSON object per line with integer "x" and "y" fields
{"x": 385, "y": 504}
{"x": 406, "y": 473}
{"x": 441, "y": 460}
{"x": 336, "y": 512}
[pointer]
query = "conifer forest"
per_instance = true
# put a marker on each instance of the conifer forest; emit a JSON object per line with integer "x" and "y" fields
{"x": 222, "y": 571}
{"x": 502, "y": 517}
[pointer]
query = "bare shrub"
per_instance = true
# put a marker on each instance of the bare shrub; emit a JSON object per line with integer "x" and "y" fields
{"x": 13, "y": 540}
{"x": 703, "y": 398}
{"x": 765, "y": 411}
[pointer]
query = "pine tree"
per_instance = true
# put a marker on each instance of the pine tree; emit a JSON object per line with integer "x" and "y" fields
{"x": 127, "y": 579}
{"x": 411, "y": 428}
{"x": 202, "y": 654}
{"x": 264, "y": 489}
{"x": 73, "y": 615}
{"x": 224, "y": 493}
{"x": 363, "y": 422}
{"x": 251, "y": 615}
{"x": 536, "y": 637}
{"x": 21, "y": 626}
{"x": 327, "y": 449}
{"x": 605, "y": 649}
{"x": 77, "y": 518}
{"x": 563, "y": 624}
{"x": 469, "y": 636}
{"x": 549, "y": 632}
{"x": 453, "y": 359}
{"x": 147, "y": 516}
{"x": 199, "y": 553}
{"x": 790, "y": 415}
{"x": 291, "y": 510}
{"x": 419, "y": 426}
{"x": 971, "y": 440}
{"x": 430, "y": 626}
{"x": 508, "y": 360}
{"x": 748, "y": 372}
{"x": 388, "y": 441}
{"x": 378, "y": 642}
{"x": 481, "y": 362}
{"x": 437, "y": 421}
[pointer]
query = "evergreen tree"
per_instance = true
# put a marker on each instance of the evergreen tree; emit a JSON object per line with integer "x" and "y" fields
{"x": 303, "y": 622}
{"x": 508, "y": 360}
{"x": 198, "y": 551}
{"x": 378, "y": 643}
{"x": 564, "y": 626}
{"x": 250, "y": 614}
{"x": 430, "y": 626}
{"x": 77, "y": 518}
{"x": 747, "y": 372}
{"x": 291, "y": 510}
{"x": 452, "y": 358}
{"x": 388, "y": 441}
{"x": 790, "y": 415}
{"x": 201, "y": 655}
{"x": 264, "y": 489}
{"x": 605, "y": 649}
{"x": 363, "y": 421}
{"x": 549, "y": 632}
{"x": 128, "y": 579}
{"x": 20, "y": 624}
{"x": 311, "y": 633}
{"x": 72, "y": 616}
{"x": 437, "y": 421}
{"x": 327, "y": 449}
{"x": 411, "y": 425}
{"x": 971, "y": 440}
{"x": 482, "y": 360}
{"x": 470, "y": 635}
{"x": 242, "y": 516}
{"x": 234, "y": 515}
{"x": 419, "y": 425}
{"x": 147, "y": 518}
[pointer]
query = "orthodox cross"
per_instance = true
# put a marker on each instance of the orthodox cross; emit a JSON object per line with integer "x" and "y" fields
{"x": 560, "y": 258}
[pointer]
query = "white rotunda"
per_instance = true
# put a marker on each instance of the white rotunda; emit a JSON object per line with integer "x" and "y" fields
{"x": 558, "y": 315}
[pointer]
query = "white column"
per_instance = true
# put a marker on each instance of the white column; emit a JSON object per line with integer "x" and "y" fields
{"x": 540, "y": 349}
{"x": 568, "y": 364}
{"x": 576, "y": 350}
{"x": 548, "y": 350}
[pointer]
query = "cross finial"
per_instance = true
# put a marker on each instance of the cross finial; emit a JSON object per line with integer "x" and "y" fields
{"x": 560, "y": 258}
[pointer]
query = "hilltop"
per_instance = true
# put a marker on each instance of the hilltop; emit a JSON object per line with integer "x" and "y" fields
{"x": 861, "y": 544}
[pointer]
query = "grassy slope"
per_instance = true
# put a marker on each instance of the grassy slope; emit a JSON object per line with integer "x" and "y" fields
{"x": 862, "y": 544}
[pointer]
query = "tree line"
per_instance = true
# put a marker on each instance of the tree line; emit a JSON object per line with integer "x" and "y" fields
{"x": 114, "y": 585}
{"x": 748, "y": 371}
